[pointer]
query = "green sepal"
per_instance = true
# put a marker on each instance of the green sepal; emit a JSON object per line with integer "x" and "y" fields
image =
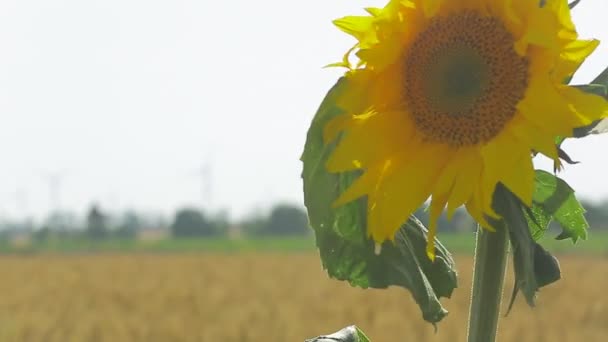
{"x": 348, "y": 334}
{"x": 573, "y": 4}
{"x": 555, "y": 200}
{"x": 534, "y": 267}
{"x": 346, "y": 251}
{"x": 570, "y": 5}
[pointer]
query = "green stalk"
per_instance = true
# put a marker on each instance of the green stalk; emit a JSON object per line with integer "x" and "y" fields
{"x": 488, "y": 279}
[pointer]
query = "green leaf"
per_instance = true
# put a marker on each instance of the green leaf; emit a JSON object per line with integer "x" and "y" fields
{"x": 554, "y": 199}
{"x": 593, "y": 88}
{"x": 602, "y": 78}
{"x": 361, "y": 335}
{"x": 534, "y": 267}
{"x": 538, "y": 221}
{"x": 346, "y": 252}
{"x": 348, "y": 334}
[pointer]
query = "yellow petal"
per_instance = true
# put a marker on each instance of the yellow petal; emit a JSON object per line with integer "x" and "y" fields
{"x": 542, "y": 26}
{"x": 475, "y": 208}
{"x": 429, "y": 7}
{"x": 561, "y": 10}
{"x": 591, "y": 107}
{"x": 353, "y": 98}
{"x": 405, "y": 189}
{"x": 520, "y": 178}
{"x": 365, "y": 184}
{"x": 437, "y": 204}
{"x": 370, "y": 138}
{"x": 360, "y": 27}
{"x": 470, "y": 167}
{"x": 571, "y": 58}
{"x": 544, "y": 106}
{"x": 534, "y": 136}
{"x": 335, "y": 126}
{"x": 508, "y": 160}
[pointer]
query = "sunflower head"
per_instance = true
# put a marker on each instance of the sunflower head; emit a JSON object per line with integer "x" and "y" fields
{"x": 449, "y": 98}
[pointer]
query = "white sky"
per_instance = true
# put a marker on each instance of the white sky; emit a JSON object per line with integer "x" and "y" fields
{"x": 127, "y": 99}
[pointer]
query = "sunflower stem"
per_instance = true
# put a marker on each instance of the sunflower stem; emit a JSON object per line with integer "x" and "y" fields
{"x": 488, "y": 279}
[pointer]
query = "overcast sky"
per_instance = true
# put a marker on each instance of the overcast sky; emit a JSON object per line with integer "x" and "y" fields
{"x": 123, "y": 101}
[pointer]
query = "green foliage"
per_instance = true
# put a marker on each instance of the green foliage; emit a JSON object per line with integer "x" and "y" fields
{"x": 555, "y": 199}
{"x": 346, "y": 252}
{"x": 602, "y": 78}
{"x": 254, "y": 224}
{"x": 348, "y": 334}
{"x": 42, "y": 234}
{"x": 96, "y": 224}
{"x": 461, "y": 243}
{"x": 129, "y": 226}
{"x": 596, "y": 214}
{"x": 286, "y": 219}
{"x": 283, "y": 220}
{"x": 191, "y": 222}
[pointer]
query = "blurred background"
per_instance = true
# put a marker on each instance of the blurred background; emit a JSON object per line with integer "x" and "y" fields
{"x": 150, "y": 181}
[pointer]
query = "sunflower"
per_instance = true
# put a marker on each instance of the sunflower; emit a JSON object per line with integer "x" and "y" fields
{"x": 449, "y": 98}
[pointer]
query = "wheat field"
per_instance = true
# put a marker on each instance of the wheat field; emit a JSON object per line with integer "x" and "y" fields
{"x": 261, "y": 297}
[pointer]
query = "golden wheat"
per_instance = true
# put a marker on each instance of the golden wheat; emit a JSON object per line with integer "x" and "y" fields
{"x": 261, "y": 297}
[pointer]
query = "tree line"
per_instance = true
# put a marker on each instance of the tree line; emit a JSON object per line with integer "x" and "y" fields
{"x": 282, "y": 220}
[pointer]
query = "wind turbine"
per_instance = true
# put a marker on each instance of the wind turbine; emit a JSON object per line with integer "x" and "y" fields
{"x": 55, "y": 181}
{"x": 206, "y": 174}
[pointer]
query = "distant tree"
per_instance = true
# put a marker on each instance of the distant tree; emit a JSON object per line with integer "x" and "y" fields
{"x": 60, "y": 220}
{"x": 254, "y": 224}
{"x": 42, "y": 234}
{"x": 463, "y": 222}
{"x": 190, "y": 222}
{"x": 460, "y": 222}
{"x": 129, "y": 226}
{"x": 596, "y": 214}
{"x": 220, "y": 222}
{"x": 96, "y": 223}
{"x": 287, "y": 219}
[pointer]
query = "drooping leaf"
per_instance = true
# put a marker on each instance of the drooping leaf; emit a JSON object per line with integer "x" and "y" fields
{"x": 506, "y": 205}
{"x": 534, "y": 267}
{"x": 345, "y": 250}
{"x": 348, "y": 334}
{"x": 546, "y": 266}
